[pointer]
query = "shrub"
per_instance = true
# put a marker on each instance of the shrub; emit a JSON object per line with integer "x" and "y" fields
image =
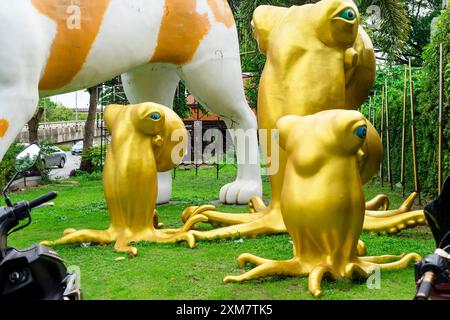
{"x": 7, "y": 164}
{"x": 94, "y": 156}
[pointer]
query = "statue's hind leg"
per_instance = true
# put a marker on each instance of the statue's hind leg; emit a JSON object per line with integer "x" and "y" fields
{"x": 219, "y": 218}
{"x": 82, "y": 236}
{"x": 393, "y": 221}
{"x": 258, "y": 210}
{"x": 271, "y": 223}
{"x": 266, "y": 268}
{"x": 220, "y": 90}
{"x": 159, "y": 236}
{"x": 379, "y": 201}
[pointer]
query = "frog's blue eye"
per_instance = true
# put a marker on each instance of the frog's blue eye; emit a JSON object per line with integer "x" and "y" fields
{"x": 348, "y": 14}
{"x": 155, "y": 116}
{"x": 361, "y": 132}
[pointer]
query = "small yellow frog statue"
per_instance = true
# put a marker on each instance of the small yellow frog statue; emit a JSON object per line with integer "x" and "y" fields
{"x": 322, "y": 201}
{"x": 146, "y": 138}
{"x": 318, "y": 58}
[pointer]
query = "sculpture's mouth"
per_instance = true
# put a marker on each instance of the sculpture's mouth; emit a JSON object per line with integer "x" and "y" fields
{"x": 351, "y": 59}
{"x": 170, "y": 152}
{"x": 361, "y": 158}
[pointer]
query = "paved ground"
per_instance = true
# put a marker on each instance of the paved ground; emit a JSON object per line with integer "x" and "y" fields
{"x": 72, "y": 162}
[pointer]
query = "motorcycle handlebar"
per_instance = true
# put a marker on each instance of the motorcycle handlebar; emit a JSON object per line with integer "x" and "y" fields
{"x": 42, "y": 199}
{"x": 426, "y": 286}
{"x": 22, "y": 209}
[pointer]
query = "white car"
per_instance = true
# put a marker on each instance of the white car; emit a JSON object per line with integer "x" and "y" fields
{"x": 77, "y": 148}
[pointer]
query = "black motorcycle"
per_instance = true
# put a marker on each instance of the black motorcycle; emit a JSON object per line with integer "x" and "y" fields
{"x": 38, "y": 272}
{"x": 433, "y": 272}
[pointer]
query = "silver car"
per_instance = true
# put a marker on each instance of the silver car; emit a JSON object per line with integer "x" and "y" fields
{"x": 53, "y": 156}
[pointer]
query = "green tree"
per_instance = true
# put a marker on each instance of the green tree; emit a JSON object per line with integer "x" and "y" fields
{"x": 389, "y": 39}
{"x": 55, "y": 112}
{"x": 429, "y": 102}
{"x": 421, "y": 14}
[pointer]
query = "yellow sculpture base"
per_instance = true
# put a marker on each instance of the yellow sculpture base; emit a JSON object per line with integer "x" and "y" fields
{"x": 143, "y": 143}
{"x": 264, "y": 220}
{"x": 124, "y": 236}
{"x": 317, "y": 269}
{"x": 326, "y": 219}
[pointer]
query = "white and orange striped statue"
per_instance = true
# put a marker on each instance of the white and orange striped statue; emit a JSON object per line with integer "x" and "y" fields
{"x": 57, "y": 46}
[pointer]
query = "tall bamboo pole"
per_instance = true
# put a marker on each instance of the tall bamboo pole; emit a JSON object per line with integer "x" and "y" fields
{"x": 375, "y": 110}
{"x": 388, "y": 136}
{"x": 413, "y": 132}
{"x": 382, "y": 134}
{"x": 370, "y": 109}
{"x": 441, "y": 106}
{"x": 405, "y": 94}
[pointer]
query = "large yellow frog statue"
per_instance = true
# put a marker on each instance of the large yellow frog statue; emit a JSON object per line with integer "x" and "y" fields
{"x": 318, "y": 58}
{"x": 322, "y": 201}
{"x": 146, "y": 138}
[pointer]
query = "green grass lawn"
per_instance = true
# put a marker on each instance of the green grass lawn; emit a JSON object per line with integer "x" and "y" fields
{"x": 176, "y": 272}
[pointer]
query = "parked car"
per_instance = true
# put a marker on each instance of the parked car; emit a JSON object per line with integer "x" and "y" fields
{"x": 53, "y": 156}
{"x": 77, "y": 148}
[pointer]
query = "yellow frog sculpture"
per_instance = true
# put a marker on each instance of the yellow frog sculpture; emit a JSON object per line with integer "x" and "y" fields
{"x": 322, "y": 201}
{"x": 146, "y": 138}
{"x": 318, "y": 58}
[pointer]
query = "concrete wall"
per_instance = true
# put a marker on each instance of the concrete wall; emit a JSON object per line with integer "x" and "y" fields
{"x": 59, "y": 132}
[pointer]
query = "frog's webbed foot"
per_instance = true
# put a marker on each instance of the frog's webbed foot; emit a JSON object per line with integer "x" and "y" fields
{"x": 124, "y": 236}
{"x": 393, "y": 221}
{"x": 361, "y": 248}
{"x": 82, "y": 236}
{"x": 156, "y": 223}
{"x": 271, "y": 223}
{"x": 189, "y": 224}
{"x": 217, "y": 218}
{"x": 405, "y": 207}
{"x": 315, "y": 279}
{"x": 381, "y": 259}
{"x": 382, "y": 263}
{"x": 364, "y": 266}
{"x": 396, "y": 223}
{"x": 189, "y": 212}
{"x": 122, "y": 245}
{"x": 160, "y": 236}
{"x": 380, "y": 201}
{"x": 256, "y": 204}
{"x": 265, "y": 268}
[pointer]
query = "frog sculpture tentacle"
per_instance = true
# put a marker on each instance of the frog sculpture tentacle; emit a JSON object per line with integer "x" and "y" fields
{"x": 318, "y": 58}
{"x": 146, "y": 138}
{"x": 322, "y": 202}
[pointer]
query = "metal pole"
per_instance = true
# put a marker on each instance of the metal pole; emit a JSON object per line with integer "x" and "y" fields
{"x": 402, "y": 173}
{"x": 413, "y": 132}
{"x": 441, "y": 106}
{"x": 101, "y": 134}
{"x": 388, "y": 137}
{"x": 382, "y": 133}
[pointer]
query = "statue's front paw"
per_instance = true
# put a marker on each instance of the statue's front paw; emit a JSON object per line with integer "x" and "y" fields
{"x": 240, "y": 191}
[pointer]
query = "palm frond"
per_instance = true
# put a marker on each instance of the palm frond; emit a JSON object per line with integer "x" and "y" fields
{"x": 390, "y": 38}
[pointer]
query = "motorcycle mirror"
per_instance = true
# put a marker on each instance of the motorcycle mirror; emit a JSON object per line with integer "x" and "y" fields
{"x": 27, "y": 158}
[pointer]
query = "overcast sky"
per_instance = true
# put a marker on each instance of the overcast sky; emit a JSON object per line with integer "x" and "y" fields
{"x": 73, "y": 100}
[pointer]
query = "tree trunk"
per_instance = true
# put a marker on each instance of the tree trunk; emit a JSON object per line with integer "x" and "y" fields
{"x": 33, "y": 125}
{"x": 89, "y": 129}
